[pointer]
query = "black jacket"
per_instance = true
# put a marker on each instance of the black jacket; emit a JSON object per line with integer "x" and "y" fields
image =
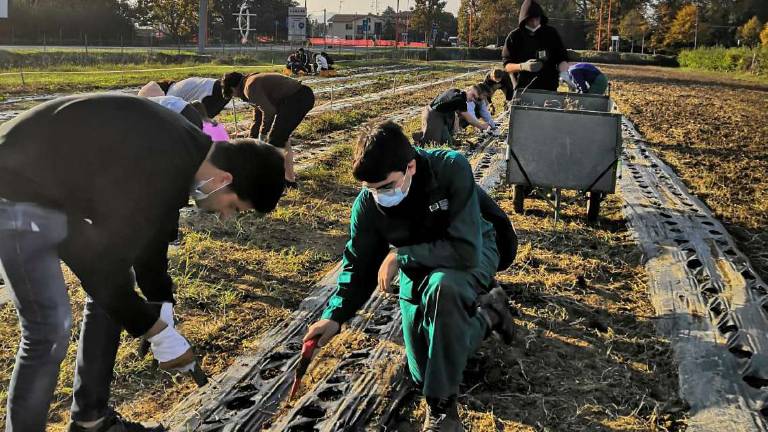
{"x": 544, "y": 44}
{"x": 119, "y": 167}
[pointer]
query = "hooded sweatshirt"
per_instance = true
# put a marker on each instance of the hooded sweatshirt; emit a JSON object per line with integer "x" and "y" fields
{"x": 543, "y": 44}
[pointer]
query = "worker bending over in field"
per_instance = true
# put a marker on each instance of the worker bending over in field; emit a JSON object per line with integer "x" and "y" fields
{"x": 534, "y": 51}
{"x": 499, "y": 79}
{"x": 585, "y": 78}
{"x": 479, "y": 110}
{"x": 438, "y": 119}
{"x": 279, "y": 103}
{"x": 426, "y": 205}
{"x": 209, "y": 91}
{"x": 96, "y": 198}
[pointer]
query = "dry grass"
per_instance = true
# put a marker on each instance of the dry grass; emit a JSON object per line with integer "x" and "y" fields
{"x": 713, "y": 132}
{"x": 586, "y": 359}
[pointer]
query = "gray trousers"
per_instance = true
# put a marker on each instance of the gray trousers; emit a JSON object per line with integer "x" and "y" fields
{"x": 437, "y": 127}
{"x": 29, "y": 263}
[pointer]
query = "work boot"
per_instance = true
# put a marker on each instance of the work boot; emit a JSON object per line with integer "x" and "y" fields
{"x": 442, "y": 416}
{"x": 494, "y": 307}
{"x": 114, "y": 422}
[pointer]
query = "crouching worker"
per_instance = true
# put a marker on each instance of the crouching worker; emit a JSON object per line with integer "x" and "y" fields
{"x": 585, "y": 78}
{"x": 209, "y": 91}
{"x": 95, "y": 198}
{"x": 438, "y": 119}
{"x": 279, "y": 104}
{"x": 426, "y": 204}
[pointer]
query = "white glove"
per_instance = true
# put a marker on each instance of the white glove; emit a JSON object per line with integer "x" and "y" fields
{"x": 169, "y": 345}
{"x": 531, "y": 65}
{"x": 166, "y": 314}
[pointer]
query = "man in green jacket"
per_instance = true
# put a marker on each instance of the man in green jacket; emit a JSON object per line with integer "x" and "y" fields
{"x": 424, "y": 204}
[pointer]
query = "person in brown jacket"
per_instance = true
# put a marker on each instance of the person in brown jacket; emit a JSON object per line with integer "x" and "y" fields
{"x": 499, "y": 79}
{"x": 279, "y": 103}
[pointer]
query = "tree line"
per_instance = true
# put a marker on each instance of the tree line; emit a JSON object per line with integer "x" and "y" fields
{"x": 648, "y": 25}
{"x": 114, "y": 21}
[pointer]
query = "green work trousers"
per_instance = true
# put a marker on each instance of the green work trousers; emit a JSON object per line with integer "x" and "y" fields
{"x": 441, "y": 326}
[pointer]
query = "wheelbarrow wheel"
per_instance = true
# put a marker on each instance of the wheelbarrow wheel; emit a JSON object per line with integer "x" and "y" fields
{"x": 593, "y": 206}
{"x": 518, "y": 198}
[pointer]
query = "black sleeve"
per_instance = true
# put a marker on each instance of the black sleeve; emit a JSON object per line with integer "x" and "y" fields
{"x": 506, "y": 237}
{"x": 151, "y": 266}
{"x": 216, "y": 102}
{"x": 507, "y": 55}
{"x": 193, "y": 116}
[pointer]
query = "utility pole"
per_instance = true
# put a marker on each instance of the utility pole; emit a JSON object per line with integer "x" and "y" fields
{"x": 325, "y": 28}
{"x": 397, "y": 21}
{"x": 599, "y": 40}
{"x": 696, "y": 33}
{"x": 203, "y": 26}
{"x": 610, "y": 7}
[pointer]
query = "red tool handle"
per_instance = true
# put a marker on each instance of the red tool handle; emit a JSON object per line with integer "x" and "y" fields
{"x": 309, "y": 347}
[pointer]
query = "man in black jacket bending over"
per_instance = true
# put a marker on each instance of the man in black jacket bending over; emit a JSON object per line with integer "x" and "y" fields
{"x": 95, "y": 197}
{"x": 534, "y": 50}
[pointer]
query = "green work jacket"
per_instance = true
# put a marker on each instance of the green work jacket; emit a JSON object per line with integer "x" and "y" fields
{"x": 438, "y": 225}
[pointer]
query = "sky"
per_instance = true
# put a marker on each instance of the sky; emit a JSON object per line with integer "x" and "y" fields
{"x": 362, "y": 6}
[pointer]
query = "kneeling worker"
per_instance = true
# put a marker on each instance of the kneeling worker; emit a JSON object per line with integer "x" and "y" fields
{"x": 94, "y": 198}
{"x": 585, "y": 78}
{"x": 438, "y": 119}
{"x": 426, "y": 204}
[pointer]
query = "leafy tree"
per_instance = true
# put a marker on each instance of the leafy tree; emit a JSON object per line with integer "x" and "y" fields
{"x": 633, "y": 26}
{"x": 390, "y": 16}
{"x": 425, "y": 13}
{"x": 764, "y": 35}
{"x": 175, "y": 18}
{"x": 750, "y": 31}
{"x": 683, "y": 29}
{"x": 492, "y": 21}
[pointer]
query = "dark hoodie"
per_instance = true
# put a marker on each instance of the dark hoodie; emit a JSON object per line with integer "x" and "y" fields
{"x": 543, "y": 44}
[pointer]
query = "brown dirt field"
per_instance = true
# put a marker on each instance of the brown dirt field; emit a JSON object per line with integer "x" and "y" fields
{"x": 713, "y": 130}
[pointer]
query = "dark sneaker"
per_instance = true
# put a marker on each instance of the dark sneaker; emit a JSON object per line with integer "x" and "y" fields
{"x": 291, "y": 184}
{"x": 114, "y": 422}
{"x": 442, "y": 416}
{"x": 495, "y": 307}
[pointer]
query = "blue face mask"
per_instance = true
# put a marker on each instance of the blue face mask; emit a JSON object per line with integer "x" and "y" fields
{"x": 391, "y": 197}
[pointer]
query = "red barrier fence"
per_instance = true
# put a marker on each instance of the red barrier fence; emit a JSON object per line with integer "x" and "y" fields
{"x": 363, "y": 43}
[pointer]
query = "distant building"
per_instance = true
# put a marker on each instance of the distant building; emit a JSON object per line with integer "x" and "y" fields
{"x": 354, "y": 26}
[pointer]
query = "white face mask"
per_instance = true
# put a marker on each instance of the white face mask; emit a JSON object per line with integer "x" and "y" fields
{"x": 391, "y": 197}
{"x": 198, "y": 195}
{"x": 533, "y": 30}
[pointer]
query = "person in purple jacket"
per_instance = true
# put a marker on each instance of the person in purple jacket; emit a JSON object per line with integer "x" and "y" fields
{"x": 585, "y": 78}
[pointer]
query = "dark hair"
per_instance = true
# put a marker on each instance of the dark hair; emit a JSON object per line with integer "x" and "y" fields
{"x": 231, "y": 79}
{"x": 498, "y": 74}
{"x": 483, "y": 91}
{"x": 381, "y": 150}
{"x": 165, "y": 85}
{"x": 258, "y": 171}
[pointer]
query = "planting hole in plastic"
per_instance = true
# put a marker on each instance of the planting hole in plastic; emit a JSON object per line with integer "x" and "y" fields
{"x": 312, "y": 411}
{"x": 330, "y": 394}
{"x": 694, "y": 263}
{"x": 240, "y": 403}
{"x": 270, "y": 373}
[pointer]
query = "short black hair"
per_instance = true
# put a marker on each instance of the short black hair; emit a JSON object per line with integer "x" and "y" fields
{"x": 380, "y": 150}
{"x": 257, "y": 168}
{"x": 231, "y": 79}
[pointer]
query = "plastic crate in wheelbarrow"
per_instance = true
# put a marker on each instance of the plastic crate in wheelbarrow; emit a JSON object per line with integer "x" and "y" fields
{"x": 563, "y": 141}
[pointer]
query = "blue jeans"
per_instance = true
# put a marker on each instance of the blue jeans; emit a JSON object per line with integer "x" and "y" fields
{"x": 29, "y": 263}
